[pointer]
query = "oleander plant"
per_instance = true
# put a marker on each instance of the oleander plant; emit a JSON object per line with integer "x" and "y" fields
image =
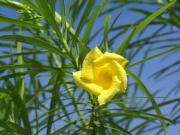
{"x": 89, "y": 67}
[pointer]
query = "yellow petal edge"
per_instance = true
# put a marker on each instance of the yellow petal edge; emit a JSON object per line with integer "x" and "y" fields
{"x": 87, "y": 69}
{"x": 102, "y": 75}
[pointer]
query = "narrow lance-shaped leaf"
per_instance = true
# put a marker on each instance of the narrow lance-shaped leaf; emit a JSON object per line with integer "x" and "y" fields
{"x": 20, "y": 105}
{"x": 106, "y": 32}
{"x": 33, "y": 41}
{"x": 84, "y": 17}
{"x": 142, "y": 25}
{"x": 154, "y": 56}
{"x": 5, "y": 19}
{"x": 29, "y": 3}
{"x": 150, "y": 97}
{"x": 46, "y": 11}
{"x": 91, "y": 22}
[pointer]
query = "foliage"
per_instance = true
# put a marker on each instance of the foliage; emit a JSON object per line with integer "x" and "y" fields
{"x": 48, "y": 40}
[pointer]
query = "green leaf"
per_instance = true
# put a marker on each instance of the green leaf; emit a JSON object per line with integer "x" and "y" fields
{"x": 33, "y": 41}
{"x": 68, "y": 26}
{"x": 30, "y": 66}
{"x": 119, "y": 129}
{"x": 91, "y": 22}
{"x": 142, "y": 25}
{"x": 47, "y": 12}
{"x": 29, "y": 3}
{"x": 12, "y": 4}
{"x": 106, "y": 22}
{"x": 11, "y": 127}
{"x": 14, "y": 75}
{"x": 162, "y": 104}
{"x": 18, "y": 22}
{"x": 150, "y": 97}
{"x": 21, "y": 108}
{"x": 54, "y": 101}
{"x": 84, "y": 17}
{"x": 154, "y": 56}
{"x": 21, "y": 54}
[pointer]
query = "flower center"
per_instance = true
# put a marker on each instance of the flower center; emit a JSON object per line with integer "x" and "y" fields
{"x": 104, "y": 78}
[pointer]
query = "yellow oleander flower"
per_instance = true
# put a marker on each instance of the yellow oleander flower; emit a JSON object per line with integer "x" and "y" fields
{"x": 102, "y": 75}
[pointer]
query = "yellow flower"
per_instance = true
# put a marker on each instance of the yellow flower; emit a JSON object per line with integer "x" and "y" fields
{"x": 102, "y": 75}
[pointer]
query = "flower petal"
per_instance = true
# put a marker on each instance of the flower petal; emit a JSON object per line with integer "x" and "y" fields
{"x": 105, "y": 96}
{"x": 87, "y": 69}
{"x": 109, "y": 57}
{"x": 121, "y": 74}
{"x": 108, "y": 94}
{"x": 90, "y": 87}
{"x": 103, "y": 75}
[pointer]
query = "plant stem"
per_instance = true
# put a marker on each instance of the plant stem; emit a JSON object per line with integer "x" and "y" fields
{"x": 20, "y": 62}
